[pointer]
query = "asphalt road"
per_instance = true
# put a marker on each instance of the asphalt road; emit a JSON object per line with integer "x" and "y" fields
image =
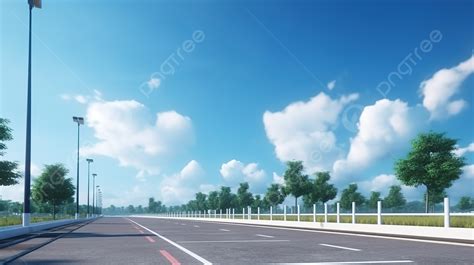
{"x": 173, "y": 241}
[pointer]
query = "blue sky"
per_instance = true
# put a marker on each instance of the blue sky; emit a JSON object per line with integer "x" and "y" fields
{"x": 181, "y": 97}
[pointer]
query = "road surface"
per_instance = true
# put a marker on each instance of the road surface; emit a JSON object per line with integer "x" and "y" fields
{"x": 120, "y": 240}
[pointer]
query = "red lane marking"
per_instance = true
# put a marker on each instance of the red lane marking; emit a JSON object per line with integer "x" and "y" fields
{"x": 150, "y": 239}
{"x": 169, "y": 257}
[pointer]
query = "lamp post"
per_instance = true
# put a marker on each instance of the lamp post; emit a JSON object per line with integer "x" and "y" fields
{"x": 89, "y": 161}
{"x": 93, "y": 194}
{"x": 79, "y": 121}
{"x": 97, "y": 198}
{"x": 27, "y": 193}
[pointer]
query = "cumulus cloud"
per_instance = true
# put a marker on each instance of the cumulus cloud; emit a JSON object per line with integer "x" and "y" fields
{"x": 153, "y": 83}
{"x": 382, "y": 183}
{"x": 179, "y": 188}
{"x": 125, "y": 131}
{"x": 234, "y": 172}
{"x": 331, "y": 85}
{"x": 278, "y": 179}
{"x": 385, "y": 127}
{"x": 439, "y": 90}
{"x": 303, "y": 130}
{"x": 460, "y": 151}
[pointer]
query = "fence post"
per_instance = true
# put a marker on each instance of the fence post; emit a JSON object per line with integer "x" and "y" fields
{"x": 353, "y": 212}
{"x": 215, "y": 214}
{"x": 379, "y": 212}
{"x": 314, "y": 213}
{"x": 233, "y": 213}
{"x": 338, "y": 209}
{"x": 284, "y": 212}
{"x": 446, "y": 212}
{"x": 258, "y": 213}
{"x": 243, "y": 213}
{"x": 271, "y": 213}
{"x": 298, "y": 209}
{"x": 220, "y": 213}
{"x": 325, "y": 212}
{"x": 250, "y": 213}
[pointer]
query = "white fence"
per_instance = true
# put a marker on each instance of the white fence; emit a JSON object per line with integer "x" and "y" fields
{"x": 250, "y": 214}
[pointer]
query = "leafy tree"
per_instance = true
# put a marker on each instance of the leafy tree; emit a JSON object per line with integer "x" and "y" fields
{"x": 213, "y": 200}
{"x": 152, "y": 205}
{"x": 431, "y": 163}
{"x": 8, "y": 174}
{"x": 225, "y": 198}
{"x": 349, "y": 195}
{"x": 201, "y": 201}
{"x": 258, "y": 202}
{"x": 245, "y": 198}
{"x": 394, "y": 198}
{"x": 321, "y": 190}
{"x": 374, "y": 198}
{"x": 464, "y": 203}
{"x": 53, "y": 188}
{"x": 296, "y": 183}
{"x": 131, "y": 209}
{"x": 274, "y": 195}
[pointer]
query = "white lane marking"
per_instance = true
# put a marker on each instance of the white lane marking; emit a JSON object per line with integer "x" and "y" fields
{"x": 350, "y": 262}
{"x": 234, "y": 241}
{"x": 183, "y": 224}
{"x": 352, "y": 234}
{"x": 264, "y": 236}
{"x": 225, "y": 230}
{"x": 187, "y": 251}
{"x": 334, "y": 246}
{"x": 197, "y": 226}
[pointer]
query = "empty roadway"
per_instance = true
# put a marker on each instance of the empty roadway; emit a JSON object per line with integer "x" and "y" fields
{"x": 118, "y": 240}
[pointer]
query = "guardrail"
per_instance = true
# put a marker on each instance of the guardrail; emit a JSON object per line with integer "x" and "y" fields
{"x": 249, "y": 215}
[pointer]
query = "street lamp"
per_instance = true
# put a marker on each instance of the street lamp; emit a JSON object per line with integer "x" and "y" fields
{"x": 89, "y": 161}
{"x": 27, "y": 192}
{"x": 93, "y": 193}
{"x": 97, "y": 198}
{"x": 79, "y": 121}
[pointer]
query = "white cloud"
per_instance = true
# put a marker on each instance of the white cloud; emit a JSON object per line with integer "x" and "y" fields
{"x": 153, "y": 83}
{"x": 81, "y": 99}
{"x": 331, "y": 85}
{"x": 460, "y": 151}
{"x": 382, "y": 183}
{"x": 302, "y": 131}
{"x": 438, "y": 91}
{"x": 125, "y": 133}
{"x": 278, "y": 179}
{"x": 181, "y": 187}
{"x": 234, "y": 172}
{"x": 464, "y": 186}
{"x": 385, "y": 127}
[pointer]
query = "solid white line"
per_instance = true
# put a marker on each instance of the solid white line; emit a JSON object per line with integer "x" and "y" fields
{"x": 334, "y": 246}
{"x": 183, "y": 224}
{"x": 234, "y": 241}
{"x": 187, "y": 251}
{"x": 264, "y": 236}
{"x": 350, "y": 234}
{"x": 350, "y": 262}
{"x": 225, "y": 230}
{"x": 197, "y": 226}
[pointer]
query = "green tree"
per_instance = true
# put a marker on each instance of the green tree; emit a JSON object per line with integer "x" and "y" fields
{"x": 431, "y": 163}
{"x": 258, "y": 202}
{"x": 296, "y": 183}
{"x": 349, "y": 195}
{"x": 213, "y": 200}
{"x": 131, "y": 209}
{"x": 274, "y": 195}
{"x": 464, "y": 203}
{"x": 201, "y": 201}
{"x": 374, "y": 198}
{"x": 152, "y": 205}
{"x": 8, "y": 169}
{"x": 394, "y": 198}
{"x": 225, "y": 198}
{"x": 245, "y": 198}
{"x": 52, "y": 187}
{"x": 321, "y": 190}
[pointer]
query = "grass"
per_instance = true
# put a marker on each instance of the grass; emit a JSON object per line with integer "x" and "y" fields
{"x": 456, "y": 221}
{"x": 16, "y": 220}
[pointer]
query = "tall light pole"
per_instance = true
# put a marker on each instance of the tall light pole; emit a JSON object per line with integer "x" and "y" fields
{"x": 93, "y": 194}
{"x": 27, "y": 193}
{"x": 89, "y": 161}
{"x": 79, "y": 121}
{"x": 97, "y": 198}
